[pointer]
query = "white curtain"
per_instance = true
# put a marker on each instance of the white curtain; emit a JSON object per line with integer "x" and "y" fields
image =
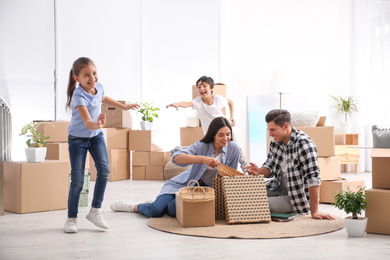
{"x": 371, "y": 68}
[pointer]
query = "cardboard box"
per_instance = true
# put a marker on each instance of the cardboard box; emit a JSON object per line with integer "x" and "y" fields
{"x": 195, "y": 214}
{"x": 219, "y": 89}
{"x": 154, "y": 172}
{"x": 377, "y": 211}
{"x": 116, "y": 138}
{"x": 34, "y": 187}
{"x": 59, "y": 151}
{"x": 116, "y": 117}
{"x": 380, "y": 168}
{"x": 188, "y": 135}
{"x": 329, "y": 168}
{"x": 58, "y": 133}
{"x": 140, "y": 158}
{"x": 160, "y": 158}
{"x": 138, "y": 173}
{"x": 145, "y": 140}
{"x": 323, "y": 137}
{"x": 119, "y": 161}
{"x": 329, "y": 189}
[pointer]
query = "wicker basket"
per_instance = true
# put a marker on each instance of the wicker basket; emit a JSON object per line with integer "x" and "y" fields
{"x": 196, "y": 193}
{"x": 224, "y": 170}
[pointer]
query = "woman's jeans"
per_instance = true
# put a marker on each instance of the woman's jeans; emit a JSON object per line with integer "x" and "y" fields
{"x": 78, "y": 147}
{"x": 163, "y": 204}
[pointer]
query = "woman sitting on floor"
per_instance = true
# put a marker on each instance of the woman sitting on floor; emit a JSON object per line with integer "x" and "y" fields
{"x": 216, "y": 147}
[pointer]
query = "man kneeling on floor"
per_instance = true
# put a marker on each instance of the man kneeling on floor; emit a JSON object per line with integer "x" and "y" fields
{"x": 292, "y": 167}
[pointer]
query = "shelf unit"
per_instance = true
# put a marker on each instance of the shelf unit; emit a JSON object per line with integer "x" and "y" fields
{"x": 347, "y": 149}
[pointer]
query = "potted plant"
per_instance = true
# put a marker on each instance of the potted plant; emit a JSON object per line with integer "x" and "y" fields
{"x": 345, "y": 106}
{"x": 353, "y": 202}
{"x": 148, "y": 111}
{"x": 35, "y": 152}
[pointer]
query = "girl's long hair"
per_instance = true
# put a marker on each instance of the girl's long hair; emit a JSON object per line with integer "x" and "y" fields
{"x": 78, "y": 65}
{"x": 214, "y": 127}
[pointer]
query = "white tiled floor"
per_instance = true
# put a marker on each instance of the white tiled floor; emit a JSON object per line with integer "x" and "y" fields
{"x": 41, "y": 236}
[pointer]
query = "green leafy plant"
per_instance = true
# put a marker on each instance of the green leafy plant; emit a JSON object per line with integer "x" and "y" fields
{"x": 148, "y": 111}
{"x": 345, "y": 106}
{"x": 36, "y": 137}
{"x": 351, "y": 201}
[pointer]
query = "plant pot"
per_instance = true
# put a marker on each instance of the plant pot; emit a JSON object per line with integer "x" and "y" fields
{"x": 355, "y": 227}
{"x": 146, "y": 125}
{"x": 346, "y": 127}
{"x": 36, "y": 154}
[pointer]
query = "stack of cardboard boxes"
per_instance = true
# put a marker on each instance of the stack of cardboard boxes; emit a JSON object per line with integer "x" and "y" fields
{"x": 116, "y": 136}
{"x": 378, "y": 198}
{"x": 148, "y": 158}
{"x": 332, "y": 183}
{"x": 34, "y": 187}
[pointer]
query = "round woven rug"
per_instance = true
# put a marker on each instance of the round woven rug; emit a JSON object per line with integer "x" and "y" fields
{"x": 299, "y": 227}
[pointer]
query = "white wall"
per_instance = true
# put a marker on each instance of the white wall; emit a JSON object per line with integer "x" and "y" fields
{"x": 154, "y": 51}
{"x": 26, "y": 64}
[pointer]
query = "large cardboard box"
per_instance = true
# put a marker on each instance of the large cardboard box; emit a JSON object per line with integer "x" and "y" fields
{"x": 138, "y": 172}
{"x": 329, "y": 189}
{"x": 195, "y": 214}
{"x": 140, "y": 158}
{"x": 34, "y": 187}
{"x": 323, "y": 137}
{"x": 59, "y": 151}
{"x": 58, "y": 133}
{"x": 188, "y": 135}
{"x": 378, "y": 211}
{"x": 160, "y": 158}
{"x": 146, "y": 140}
{"x": 116, "y": 117}
{"x": 219, "y": 89}
{"x": 119, "y": 161}
{"x": 154, "y": 172}
{"x": 380, "y": 168}
{"x": 116, "y": 138}
{"x": 329, "y": 168}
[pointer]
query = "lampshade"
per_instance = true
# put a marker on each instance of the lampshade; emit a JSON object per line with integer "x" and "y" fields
{"x": 278, "y": 83}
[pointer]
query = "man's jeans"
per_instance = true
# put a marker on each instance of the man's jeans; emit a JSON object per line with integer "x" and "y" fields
{"x": 78, "y": 147}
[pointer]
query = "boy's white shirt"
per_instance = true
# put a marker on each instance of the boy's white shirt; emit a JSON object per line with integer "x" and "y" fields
{"x": 207, "y": 113}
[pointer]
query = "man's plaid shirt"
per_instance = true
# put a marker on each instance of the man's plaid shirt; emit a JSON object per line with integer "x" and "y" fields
{"x": 302, "y": 168}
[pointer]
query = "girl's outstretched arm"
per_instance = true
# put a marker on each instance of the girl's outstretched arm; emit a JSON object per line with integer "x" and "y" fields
{"x": 111, "y": 102}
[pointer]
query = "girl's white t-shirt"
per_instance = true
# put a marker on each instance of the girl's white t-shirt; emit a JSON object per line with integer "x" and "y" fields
{"x": 207, "y": 113}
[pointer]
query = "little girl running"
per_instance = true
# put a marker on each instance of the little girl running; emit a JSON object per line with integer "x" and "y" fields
{"x": 85, "y": 95}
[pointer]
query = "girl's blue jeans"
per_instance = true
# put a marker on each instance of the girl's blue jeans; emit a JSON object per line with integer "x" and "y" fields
{"x": 78, "y": 148}
{"x": 164, "y": 204}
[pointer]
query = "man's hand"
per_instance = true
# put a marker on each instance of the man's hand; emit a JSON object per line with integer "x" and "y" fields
{"x": 253, "y": 169}
{"x": 319, "y": 215}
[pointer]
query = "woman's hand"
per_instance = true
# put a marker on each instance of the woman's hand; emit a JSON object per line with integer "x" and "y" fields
{"x": 211, "y": 162}
{"x": 132, "y": 106}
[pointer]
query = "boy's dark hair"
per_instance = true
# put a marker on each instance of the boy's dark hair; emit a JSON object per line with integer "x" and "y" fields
{"x": 207, "y": 80}
{"x": 214, "y": 127}
{"x": 279, "y": 117}
{"x": 78, "y": 65}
